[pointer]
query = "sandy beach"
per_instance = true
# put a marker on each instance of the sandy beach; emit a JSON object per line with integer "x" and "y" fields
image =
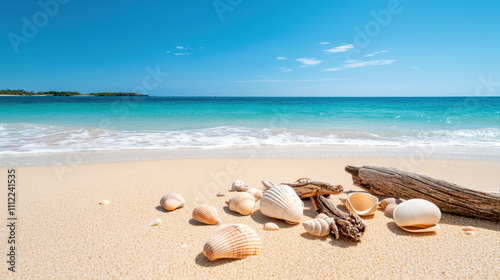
{"x": 64, "y": 233}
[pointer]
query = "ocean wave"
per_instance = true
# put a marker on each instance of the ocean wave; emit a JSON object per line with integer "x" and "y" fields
{"x": 18, "y": 139}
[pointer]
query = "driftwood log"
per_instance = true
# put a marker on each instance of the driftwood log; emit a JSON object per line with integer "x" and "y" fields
{"x": 348, "y": 225}
{"x": 450, "y": 198}
{"x": 306, "y": 188}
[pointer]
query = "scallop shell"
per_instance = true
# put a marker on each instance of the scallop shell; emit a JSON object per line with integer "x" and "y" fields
{"x": 389, "y": 210}
{"x": 233, "y": 241}
{"x": 417, "y": 215}
{"x": 282, "y": 202}
{"x": 239, "y": 186}
{"x": 387, "y": 201}
{"x": 243, "y": 203}
{"x": 256, "y": 193}
{"x": 104, "y": 202}
{"x": 363, "y": 204}
{"x": 156, "y": 222}
{"x": 317, "y": 227}
{"x": 172, "y": 201}
{"x": 206, "y": 214}
{"x": 271, "y": 226}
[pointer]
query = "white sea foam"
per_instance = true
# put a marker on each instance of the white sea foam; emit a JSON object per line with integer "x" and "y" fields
{"x": 18, "y": 139}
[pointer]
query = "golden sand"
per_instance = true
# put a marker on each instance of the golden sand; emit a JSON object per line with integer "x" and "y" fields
{"x": 63, "y": 232}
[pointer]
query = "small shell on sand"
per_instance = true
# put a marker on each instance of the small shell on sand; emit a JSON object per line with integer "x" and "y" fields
{"x": 389, "y": 209}
{"x": 184, "y": 245}
{"x": 271, "y": 226}
{"x": 220, "y": 194}
{"x": 387, "y": 201}
{"x": 104, "y": 202}
{"x": 156, "y": 222}
{"x": 469, "y": 228}
{"x": 470, "y": 233}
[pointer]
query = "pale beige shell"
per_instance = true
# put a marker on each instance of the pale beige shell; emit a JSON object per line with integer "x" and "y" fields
{"x": 233, "y": 241}
{"x": 271, "y": 226}
{"x": 156, "y": 222}
{"x": 242, "y": 203}
{"x": 257, "y": 194}
{"x": 104, "y": 202}
{"x": 363, "y": 204}
{"x": 239, "y": 186}
{"x": 386, "y": 201}
{"x": 417, "y": 215}
{"x": 389, "y": 210}
{"x": 469, "y": 228}
{"x": 317, "y": 227}
{"x": 172, "y": 201}
{"x": 281, "y": 202}
{"x": 206, "y": 214}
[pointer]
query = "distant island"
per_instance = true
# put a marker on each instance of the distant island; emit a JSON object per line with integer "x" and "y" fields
{"x": 20, "y": 92}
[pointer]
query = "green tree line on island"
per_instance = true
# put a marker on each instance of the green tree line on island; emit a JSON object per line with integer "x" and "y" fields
{"x": 64, "y": 93}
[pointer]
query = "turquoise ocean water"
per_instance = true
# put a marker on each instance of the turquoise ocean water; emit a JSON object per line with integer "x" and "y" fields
{"x": 34, "y": 125}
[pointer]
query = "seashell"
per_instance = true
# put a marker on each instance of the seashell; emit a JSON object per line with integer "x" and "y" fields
{"x": 343, "y": 199}
{"x": 317, "y": 227}
{"x": 386, "y": 201}
{"x": 184, "y": 245}
{"x": 104, "y": 202}
{"x": 172, "y": 201}
{"x": 470, "y": 233}
{"x": 206, "y": 214}
{"x": 243, "y": 203}
{"x": 417, "y": 215}
{"x": 271, "y": 226}
{"x": 322, "y": 216}
{"x": 389, "y": 210}
{"x": 156, "y": 222}
{"x": 469, "y": 228}
{"x": 302, "y": 180}
{"x": 220, "y": 194}
{"x": 363, "y": 204}
{"x": 282, "y": 202}
{"x": 256, "y": 193}
{"x": 233, "y": 241}
{"x": 239, "y": 186}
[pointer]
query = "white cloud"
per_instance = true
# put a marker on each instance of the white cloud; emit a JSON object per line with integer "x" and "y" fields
{"x": 182, "y": 54}
{"x": 168, "y": 51}
{"x": 281, "y": 58}
{"x": 284, "y": 69}
{"x": 374, "y": 53}
{"x": 332, "y": 69}
{"x": 414, "y": 67}
{"x": 368, "y": 63}
{"x": 324, "y": 43}
{"x": 339, "y": 49}
{"x": 309, "y": 61}
{"x": 180, "y": 47}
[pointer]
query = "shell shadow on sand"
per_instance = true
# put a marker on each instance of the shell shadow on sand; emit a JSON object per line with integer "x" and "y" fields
{"x": 231, "y": 212}
{"x": 161, "y": 209}
{"x": 260, "y": 218}
{"x": 201, "y": 260}
{"x": 194, "y": 222}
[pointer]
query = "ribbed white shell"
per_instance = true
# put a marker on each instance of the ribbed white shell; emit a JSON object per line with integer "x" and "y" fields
{"x": 172, "y": 201}
{"x": 417, "y": 215}
{"x": 317, "y": 227}
{"x": 282, "y": 202}
{"x": 206, "y": 214}
{"x": 233, "y": 241}
{"x": 243, "y": 203}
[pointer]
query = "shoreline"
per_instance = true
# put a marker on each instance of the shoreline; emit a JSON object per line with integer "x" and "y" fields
{"x": 115, "y": 240}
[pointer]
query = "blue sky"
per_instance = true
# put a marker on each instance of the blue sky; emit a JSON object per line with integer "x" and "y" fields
{"x": 252, "y": 48}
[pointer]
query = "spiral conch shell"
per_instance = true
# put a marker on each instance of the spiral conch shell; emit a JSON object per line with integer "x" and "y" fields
{"x": 243, "y": 203}
{"x": 417, "y": 215}
{"x": 282, "y": 202}
{"x": 233, "y": 241}
{"x": 317, "y": 227}
{"x": 388, "y": 201}
{"x": 363, "y": 204}
{"x": 172, "y": 201}
{"x": 256, "y": 193}
{"x": 239, "y": 186}
{"x": 206, "y": 214}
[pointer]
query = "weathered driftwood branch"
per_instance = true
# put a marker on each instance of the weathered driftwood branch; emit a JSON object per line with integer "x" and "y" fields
{"x": 348, "y": 225}
{"x": 450, "y": 198}
{"x": 305, "y": 188}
